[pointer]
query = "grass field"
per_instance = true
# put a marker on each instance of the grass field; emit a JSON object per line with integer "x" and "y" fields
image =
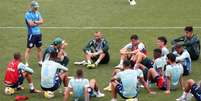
{"x": 96, "y": 13}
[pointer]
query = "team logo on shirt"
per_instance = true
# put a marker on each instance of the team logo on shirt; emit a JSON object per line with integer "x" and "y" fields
{"x": 31, "y": 45}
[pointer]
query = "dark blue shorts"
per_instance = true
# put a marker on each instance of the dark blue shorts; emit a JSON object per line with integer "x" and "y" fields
{"x": 91, "y": 92}
{"x": 57, "y": 84}
{"x": 119, "y": 89}
{"x": 196, "y": 91}
{"x": 34, "y": 40}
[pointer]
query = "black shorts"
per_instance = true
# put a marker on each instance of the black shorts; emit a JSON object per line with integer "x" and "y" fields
{"x": 105, "y": 60}
{"x": 196, "y": 91}
{"x": 34, "y": 40}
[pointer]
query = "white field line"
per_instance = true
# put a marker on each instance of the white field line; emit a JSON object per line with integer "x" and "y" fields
{"x": 91, "y": 28}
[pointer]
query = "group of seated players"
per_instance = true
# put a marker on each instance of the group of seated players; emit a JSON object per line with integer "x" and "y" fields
{"x": 135, "y": 68}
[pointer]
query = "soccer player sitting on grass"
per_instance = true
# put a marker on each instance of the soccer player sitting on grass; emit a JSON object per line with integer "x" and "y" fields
{"x": 183, "y": 57}
{"x": 191, "y": 42}
{"x": 162, "y": 42}
{"x": 125, "y": 83}
{"x": 191, "y": 88}
{"x": 82, "y": 87}
{"x": 127, "y": 51}
{"x": 96, "y": 51}
{"x": 16, "y": 72}
{"x": 53, "y": 73}
{"x": 171, "y": 78}
{"x": 138, "y": 61}
{"x": 159, "y": 61}
{"x": 57, "y": 46}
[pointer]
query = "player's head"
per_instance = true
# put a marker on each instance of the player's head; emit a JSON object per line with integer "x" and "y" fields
{"x": 79, "y": 73}
{"x": 34, "y": 5}
{"x": 171, "y": 58}
{"x": 57, "y": 42}
{"x": 126, "y": 64}
{"x": 157, "y": 53}
{"x": 179, "y": 48}
{"x": 98, "y": 36}
{"x": 53, "y": 55}
{"x": 188, "y": 31}
{"x": 162, "y": 41}
{"x": 17, "y": 56}
{"x": 134, "y": 39}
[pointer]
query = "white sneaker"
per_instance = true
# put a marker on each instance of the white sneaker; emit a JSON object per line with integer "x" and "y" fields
{"x": 40, "y": 63}
{"x": 181, "y": 98}
{"x": 114, "y": 100}
{"x": 99, "y": 94}
{"x": 119, "y": 66}
{"x": 80, "y": 63}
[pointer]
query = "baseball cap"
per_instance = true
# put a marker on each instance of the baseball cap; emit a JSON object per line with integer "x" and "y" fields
{"x": 57, "y": 41}
{"x": 34, "y": 4}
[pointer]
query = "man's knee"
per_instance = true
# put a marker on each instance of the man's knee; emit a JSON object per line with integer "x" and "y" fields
{"x": 28, "y": 50}
{"x": 92, "y": 81}
{"x": 191, "y": 82}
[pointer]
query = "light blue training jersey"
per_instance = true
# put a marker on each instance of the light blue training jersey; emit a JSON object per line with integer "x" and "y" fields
{"x": 78, "y": 86}
{"x": 129, "y": 79}
{"x": 33, "y": 16}
{"x": 175, "y": 71}
{"x": 49, "y": 73}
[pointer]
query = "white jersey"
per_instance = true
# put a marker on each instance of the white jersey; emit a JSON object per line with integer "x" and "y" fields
{"x": 160, "y": 63}
{"x": 140, "y": 46}
{"x": 185, "y": 59}
{"x": 49, "y": 73}
{"x": 165, "y": 51}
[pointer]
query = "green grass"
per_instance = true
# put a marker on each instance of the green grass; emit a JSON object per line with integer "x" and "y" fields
{"x": 96, "y": 13}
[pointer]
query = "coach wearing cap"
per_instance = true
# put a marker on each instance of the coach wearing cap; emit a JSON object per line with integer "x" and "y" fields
{"x": 33, "y": 21}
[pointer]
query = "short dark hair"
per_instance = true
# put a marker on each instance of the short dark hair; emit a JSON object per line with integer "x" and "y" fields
{"x": 178, "y": 45}
{"x": 127, "y": 63}
{"x": 17, "y": 55}
{"x": 53, "y": 55}
{"x": 163, "y": 39}
{"x": 157, "y": 50}
{"x": 188, "y": 29}
{"x": 171, "y": 57}
{"x": 134, "y": 36}
{"x": 80, "y": 73}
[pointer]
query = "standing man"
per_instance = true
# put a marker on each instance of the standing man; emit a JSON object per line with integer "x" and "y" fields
{"x": 33, "y": 19}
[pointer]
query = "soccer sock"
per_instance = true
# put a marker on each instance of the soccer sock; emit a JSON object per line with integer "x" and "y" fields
{"x": 88, "y": 61}
{"x": 31, "y": 86}
{"x": 98, "y": 61}
{"x": 121, "y": 61}
{"x": 114, "y": 99}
